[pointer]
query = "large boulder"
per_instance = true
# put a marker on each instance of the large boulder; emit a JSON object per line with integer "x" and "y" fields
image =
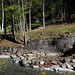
{"x": 51, "y": 44}
{"x": 65, "y": 44}
{"x": 41, "y": 44}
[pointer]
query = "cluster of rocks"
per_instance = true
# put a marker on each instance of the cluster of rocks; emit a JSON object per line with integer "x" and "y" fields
{"x": 40, "y": 56}
{"x": 38, "y": 60}
{"x": 11, "y": 50}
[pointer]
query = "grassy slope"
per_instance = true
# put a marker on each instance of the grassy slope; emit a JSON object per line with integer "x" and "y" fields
{"x": 51, "y": 31}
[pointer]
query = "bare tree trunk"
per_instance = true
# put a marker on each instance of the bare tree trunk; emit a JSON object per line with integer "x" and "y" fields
{"x": 62, "y": 11}
{"x": 43, "y": 14}
{"x": 14, "y": 32}
{"x": 30, "y": 3}
{"x": 18, "y": 26}
{"x": 0, "y": 28}
{"x": 20, "y": 16}
{"x": 69, "y": 11}
{"x": 26, "y": 26}
{"x": 64, "y": 14}
{"x": 24, "y": 32}
{"x": 4, "y": 21}
{"x": 5, "y": 24}
{"x": 52, "y": 14}
{"x": 52, "y": 17}
{"x": 2, "y": 15}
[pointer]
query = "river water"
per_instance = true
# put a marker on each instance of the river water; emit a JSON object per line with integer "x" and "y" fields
{"x": 7, "y": 67}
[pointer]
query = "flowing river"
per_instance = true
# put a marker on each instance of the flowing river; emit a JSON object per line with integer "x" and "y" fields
{"x": 7, "y": 67}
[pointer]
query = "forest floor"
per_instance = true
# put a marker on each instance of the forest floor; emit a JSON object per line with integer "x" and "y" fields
{"x": 51, "y": 31}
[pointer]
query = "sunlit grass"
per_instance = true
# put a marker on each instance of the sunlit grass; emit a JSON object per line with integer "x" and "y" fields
{"x": 51, "y": 29}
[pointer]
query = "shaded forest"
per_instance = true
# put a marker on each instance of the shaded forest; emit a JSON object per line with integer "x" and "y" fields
{"x": 20, "y": 16}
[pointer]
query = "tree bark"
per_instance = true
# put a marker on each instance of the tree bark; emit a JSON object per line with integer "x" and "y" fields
{"x": 2, "y": 15}
{"x": 69, "y": 11}
{"x": 30, "y": 3}
{"x": 62, "y": 11}
{"x": 0, "y": 28}
{"x": 12, "y": 20}
{"x": 52, "y": 15}
{"x": 20, "y": 16}
{"x": 13, "y": 27}
{"x": 26, "y": 26}
{"x": 43, "y": 14}
{"x": 24, "y": 32}
{"x": 5, "y": 24}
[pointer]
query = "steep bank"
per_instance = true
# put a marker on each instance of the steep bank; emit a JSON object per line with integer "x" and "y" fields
{"x": 51, "y": 44}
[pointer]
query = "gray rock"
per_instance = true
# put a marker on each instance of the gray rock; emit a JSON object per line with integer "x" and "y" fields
{"x": 53, "y": 62}
{"x": 60, "y": 44}
{"x": 16, "y": 61}
{"x": 35, "y": 66}
{"x": 63, "y": 66}
{"x": 73, "y": 60}
{"x": 42, "y": 62}
{"x": 67, "y": 59}
{"x": 62, "y": 69}
{"x": 65, "y": 44}
{"x": 69, "y": 66}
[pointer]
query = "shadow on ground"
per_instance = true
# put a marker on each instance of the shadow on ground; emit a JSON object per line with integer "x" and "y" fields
{"x": 10, "y": 38}
{"x": 70, "y": 52}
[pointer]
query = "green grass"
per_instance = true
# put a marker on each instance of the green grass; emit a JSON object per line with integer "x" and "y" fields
{"x": 71, "y": 29}
{"x": 45, "y": 37}
{"x": 35, "y": 25}
{"x": 52, "y": 31}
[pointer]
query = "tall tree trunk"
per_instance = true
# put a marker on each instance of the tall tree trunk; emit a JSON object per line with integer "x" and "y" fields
{"x": 30, "y": 3}
{"x": 43, "y": 14}
{"x": 24, "y": 32}
{"x": 12, "y": 21}
{"x": 0, "y": 28}
{"x": 4, "y": 21}
{"x": 62, "y": 16}
{"x": 5, "y": 24}
{"x": 18, "y": 27}
{"x": 62, "y": 11}
{"x": 52, "y": 14}
{"x": 13, "y": 27}
{"x": 26, "y": 26}
{"x": 2, "y": 15}
{"x": 69, "y": 11}
{"x": 20, "y": 16}
{"x": 52, "y": 17}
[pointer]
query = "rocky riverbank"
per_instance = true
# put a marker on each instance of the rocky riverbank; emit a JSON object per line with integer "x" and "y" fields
{"x": 44, "y": 54}
{"x": 52, "y": 44}
{"x": 43, "y": 60}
